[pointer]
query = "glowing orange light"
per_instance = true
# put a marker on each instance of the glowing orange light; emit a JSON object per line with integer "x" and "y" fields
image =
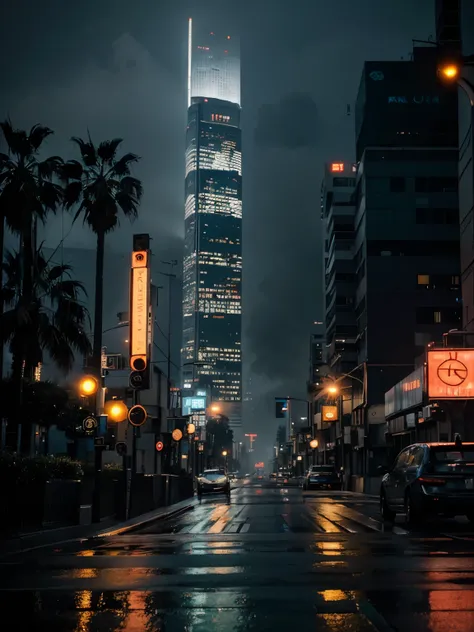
{"x": 116, "y": 410}
{"x": 314, "y": 444}
{"x": 451, "y": 71}
{"x": 451, "y": 374}
{"x": 337, "y": 167}
{"x": 88, "y": 386}
{"x": 177, "y": 435}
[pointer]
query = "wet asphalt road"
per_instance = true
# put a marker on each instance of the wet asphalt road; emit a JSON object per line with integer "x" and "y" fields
{"x": 271, "y": 560}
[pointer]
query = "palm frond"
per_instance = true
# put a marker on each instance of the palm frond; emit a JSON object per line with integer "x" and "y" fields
{"x": 49, "y": 167}
{"x": 88, "y": 152}
{"x": 122, "y": 166}
{"x": 17, "y": 140}
{"x": 107, "y": 150}
{"x": 37, "y": 135}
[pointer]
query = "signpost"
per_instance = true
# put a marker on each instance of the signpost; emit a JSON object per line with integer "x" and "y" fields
{"x": 90, "y": 425}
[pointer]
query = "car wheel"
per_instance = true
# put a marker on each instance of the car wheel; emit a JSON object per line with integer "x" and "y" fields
{"x": 413, "y": 516}
{"x": 387, "y": 514}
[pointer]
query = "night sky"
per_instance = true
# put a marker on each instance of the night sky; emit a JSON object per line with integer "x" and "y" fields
{"x": 119, "y": 69}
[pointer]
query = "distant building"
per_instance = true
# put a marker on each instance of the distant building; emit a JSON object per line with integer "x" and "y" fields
{"x": 212, "y": 266}
{"x": 338, "y": 212}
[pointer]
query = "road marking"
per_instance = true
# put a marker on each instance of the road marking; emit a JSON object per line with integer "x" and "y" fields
{"x": 245, "y": 528}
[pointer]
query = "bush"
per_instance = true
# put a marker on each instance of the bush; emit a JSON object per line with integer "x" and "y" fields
{"x": 16, "y": 468}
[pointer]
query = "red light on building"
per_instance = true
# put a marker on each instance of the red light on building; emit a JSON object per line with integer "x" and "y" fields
{"x": 337, "y": 167}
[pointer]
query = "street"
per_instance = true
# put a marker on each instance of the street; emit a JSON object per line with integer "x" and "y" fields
{"x": 272, "y": 558}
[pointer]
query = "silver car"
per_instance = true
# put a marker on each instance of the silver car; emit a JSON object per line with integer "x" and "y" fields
{"x": 213, "y": 482}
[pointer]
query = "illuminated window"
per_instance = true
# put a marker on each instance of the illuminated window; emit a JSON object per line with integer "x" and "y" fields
{"x": 437, "y": 317}
{"x": 423, "y": 279}
{"x": 454, "y": 280}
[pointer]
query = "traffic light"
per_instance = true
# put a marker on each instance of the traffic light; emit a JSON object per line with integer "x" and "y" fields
{"x": 281, "y": 408}
{"x": 140, "y": 379}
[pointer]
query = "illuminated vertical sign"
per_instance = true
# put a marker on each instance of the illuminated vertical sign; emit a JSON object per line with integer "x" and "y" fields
{"x": 139, "y": 309}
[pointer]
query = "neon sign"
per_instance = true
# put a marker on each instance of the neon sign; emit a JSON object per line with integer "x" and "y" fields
{"x": 418, "y": 99}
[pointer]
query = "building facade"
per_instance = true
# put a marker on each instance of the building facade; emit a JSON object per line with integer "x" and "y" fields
{"x": 406, "y": 233}
{"x": 212, "y": 266}
{"x": 338, "y": 211}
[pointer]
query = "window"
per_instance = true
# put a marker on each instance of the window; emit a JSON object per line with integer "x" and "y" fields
{"x": 397, "y": 185}
{"x": 454, "y": 280}
{"x": 437, "y": 317}
{"x": 436, "y": 185}
{"x": 437, "y": 216}
{"x": 423, "y": 279}
{"x": 401, "y": 461}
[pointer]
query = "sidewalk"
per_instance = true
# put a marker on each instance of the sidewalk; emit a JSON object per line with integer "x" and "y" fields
{"x": 49, "y": 537}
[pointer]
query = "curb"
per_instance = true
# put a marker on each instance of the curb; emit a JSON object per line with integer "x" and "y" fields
{"x": 138, "y": 525}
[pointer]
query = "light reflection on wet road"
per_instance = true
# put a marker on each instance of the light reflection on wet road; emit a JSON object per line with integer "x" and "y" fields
{"x": 272, "y": 559}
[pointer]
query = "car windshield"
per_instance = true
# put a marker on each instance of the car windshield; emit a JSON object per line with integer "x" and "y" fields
{"x": 213, "y": 475}
{"x": 456, "y": 461}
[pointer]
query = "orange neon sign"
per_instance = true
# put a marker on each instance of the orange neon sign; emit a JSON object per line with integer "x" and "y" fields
{"x": 140, "y": 300}
{"x": 337, "y": 167}
{"x": 329, "y": 413}
{"x": 451, "y": 374}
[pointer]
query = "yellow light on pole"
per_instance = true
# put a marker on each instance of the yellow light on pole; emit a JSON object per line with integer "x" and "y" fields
{"x": 116, "y": 410}
{"x": 224, "y": 452}
{"x": 191, "y": 429}
{"x": 215, "y": 408}
{"x": 449, "y": 72}
{"x": 313, "y": 444}
{"x": 333, "y": 390}
{"x": 299, "y": 457}
{"x": 88, "y": 386}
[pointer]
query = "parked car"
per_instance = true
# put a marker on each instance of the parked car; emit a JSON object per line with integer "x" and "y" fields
{"x": 429, "y": 479}
{"x": 213, "y": 481}
{"x": 322, "y": 476}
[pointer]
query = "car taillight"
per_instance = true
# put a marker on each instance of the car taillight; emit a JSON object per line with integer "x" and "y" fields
{"x": 430, "y": 480}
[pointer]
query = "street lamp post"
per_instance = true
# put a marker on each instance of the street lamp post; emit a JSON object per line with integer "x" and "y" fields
{"x": 170, "y": 276}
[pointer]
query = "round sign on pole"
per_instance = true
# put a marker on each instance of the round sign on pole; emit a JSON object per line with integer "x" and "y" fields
{"x": 159, "y": 446}
{"x": 177, "y": 434}
{"x": 137, "y": 415}
{"x": 89, "y": 424}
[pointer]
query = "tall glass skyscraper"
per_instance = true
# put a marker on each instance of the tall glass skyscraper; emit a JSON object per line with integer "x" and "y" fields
{"x": 212, "y": 275}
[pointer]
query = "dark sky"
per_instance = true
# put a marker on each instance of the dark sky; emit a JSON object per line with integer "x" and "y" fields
{"x": 117, "y": 68}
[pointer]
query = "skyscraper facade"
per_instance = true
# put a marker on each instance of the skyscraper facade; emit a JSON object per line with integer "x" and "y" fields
{"x": 212, "y": 266}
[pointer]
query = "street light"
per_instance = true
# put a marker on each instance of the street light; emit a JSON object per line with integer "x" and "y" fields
{"x": 224, "y": 452}
{"x": 449, "y": 71}
{"x": 88, "y": 385}
{"x": 333, "y": 390}
{"x": 313, "y": 444}
{"x": 116, "y": 410}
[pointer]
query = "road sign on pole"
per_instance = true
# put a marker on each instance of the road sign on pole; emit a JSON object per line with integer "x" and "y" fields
{"x": 137, "y": 415}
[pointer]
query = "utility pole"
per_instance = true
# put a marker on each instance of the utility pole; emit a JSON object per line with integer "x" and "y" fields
{"x": 170, "y": 276}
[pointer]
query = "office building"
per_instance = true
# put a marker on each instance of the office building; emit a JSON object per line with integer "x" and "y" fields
{"x": 338, "y": 211}
{"x": 212, "y": 267}
{"x": 406, "y": 231}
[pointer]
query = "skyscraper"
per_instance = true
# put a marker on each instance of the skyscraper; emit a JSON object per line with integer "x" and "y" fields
{"x": 212, "y": 267}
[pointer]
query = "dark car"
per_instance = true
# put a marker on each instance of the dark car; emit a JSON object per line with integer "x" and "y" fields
{"x": 322, "y": 476}
{"x": 429, "y": 479}
{"x": 213, "y": 482}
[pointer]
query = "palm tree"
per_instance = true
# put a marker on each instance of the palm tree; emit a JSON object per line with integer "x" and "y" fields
{"x": 27, "y": 194}
{"x": 102, "y": 187}
{"x": 52, "y": 321}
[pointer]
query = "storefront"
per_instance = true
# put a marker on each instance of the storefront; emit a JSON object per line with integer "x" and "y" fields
{"x": 404, "y": 411}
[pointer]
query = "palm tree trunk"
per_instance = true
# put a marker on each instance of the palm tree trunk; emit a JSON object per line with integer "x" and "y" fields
{"x": 99, "y": 304}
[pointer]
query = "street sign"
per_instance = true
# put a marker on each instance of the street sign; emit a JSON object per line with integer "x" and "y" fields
{"x": 159, "y": 446}
{"x": 121, "y": 448}
{"x": 89, "y": 424}
{"x": 177, "y": 435}
{"x": 137, "y": 415}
